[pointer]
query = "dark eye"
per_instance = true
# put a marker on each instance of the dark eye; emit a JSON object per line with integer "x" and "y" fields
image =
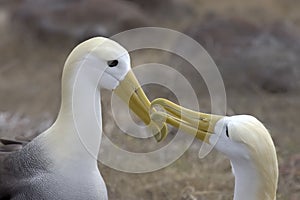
{"x": 227, "y": 132}
{"x": 112, "y": 63}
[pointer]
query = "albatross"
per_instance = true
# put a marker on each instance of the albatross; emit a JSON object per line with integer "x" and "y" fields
{"x": 242, "y": 138}
{"x": 61, "y": 163}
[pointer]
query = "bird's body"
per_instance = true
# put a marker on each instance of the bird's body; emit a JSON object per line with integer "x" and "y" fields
{"x": 33, "y": 174}
{"x": 56, "y": 165}
{"x": 242, "y": 138}
{"x": 61, "y": 163}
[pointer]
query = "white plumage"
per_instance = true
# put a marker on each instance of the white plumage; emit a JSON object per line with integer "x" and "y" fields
{"x": 61, "y": 163}
{"x": 242, "y": 138}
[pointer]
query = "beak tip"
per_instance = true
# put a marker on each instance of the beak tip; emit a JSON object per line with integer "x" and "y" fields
{"x": 162, "y": 134}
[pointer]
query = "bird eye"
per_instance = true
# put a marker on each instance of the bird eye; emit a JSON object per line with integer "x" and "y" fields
{"x": 227, "y": 131}
{"x": 112, "y": 63}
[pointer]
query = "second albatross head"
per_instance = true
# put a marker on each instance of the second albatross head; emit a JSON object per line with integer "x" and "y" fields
{"x": 242, "y": 138}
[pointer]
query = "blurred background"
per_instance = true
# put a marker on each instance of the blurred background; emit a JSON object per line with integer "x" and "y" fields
{"x": 255, "y": 44}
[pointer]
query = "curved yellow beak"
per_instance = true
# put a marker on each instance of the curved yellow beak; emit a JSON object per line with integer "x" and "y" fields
{"x": 130, "y": 91}
{"x": 199, "y": 124}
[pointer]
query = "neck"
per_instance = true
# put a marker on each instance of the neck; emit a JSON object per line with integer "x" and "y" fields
{"x": 76, "y": 134}
{"x": 248, "y": 183}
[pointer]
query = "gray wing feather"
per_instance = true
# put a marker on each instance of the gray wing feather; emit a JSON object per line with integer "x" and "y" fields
{"x": 16, "y": 165}
{"x": 7, "y": 179}
{"x": 8, "y": 146}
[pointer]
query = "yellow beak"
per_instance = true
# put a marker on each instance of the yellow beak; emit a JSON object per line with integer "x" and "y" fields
{"x": 199, "y": 124}
{"x": 130, "y": 91}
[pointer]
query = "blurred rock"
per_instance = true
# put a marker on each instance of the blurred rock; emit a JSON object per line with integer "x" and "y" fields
{"x": 9, "y": 3}
{"x": 250, "y": 55}
{"x": 165, "y": 9}
{"x": 77, "y": 20}
{"x": 153, "y": 5}
{"x": 226, "y": 33}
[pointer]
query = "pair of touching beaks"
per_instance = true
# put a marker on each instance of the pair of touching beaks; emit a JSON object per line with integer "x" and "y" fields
{"x": 160, "y": 112}
{"x": 201, "y": 125}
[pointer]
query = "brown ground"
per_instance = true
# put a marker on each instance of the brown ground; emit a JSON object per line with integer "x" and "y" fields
{"x": 257, "y": 40}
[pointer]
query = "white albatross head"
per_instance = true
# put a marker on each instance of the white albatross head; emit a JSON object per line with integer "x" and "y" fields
{"x": 242, "y": 138}
{"x": 102, "y": 56}
{"x": 249, "y": 146}
{"x": 103, "y": 63}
